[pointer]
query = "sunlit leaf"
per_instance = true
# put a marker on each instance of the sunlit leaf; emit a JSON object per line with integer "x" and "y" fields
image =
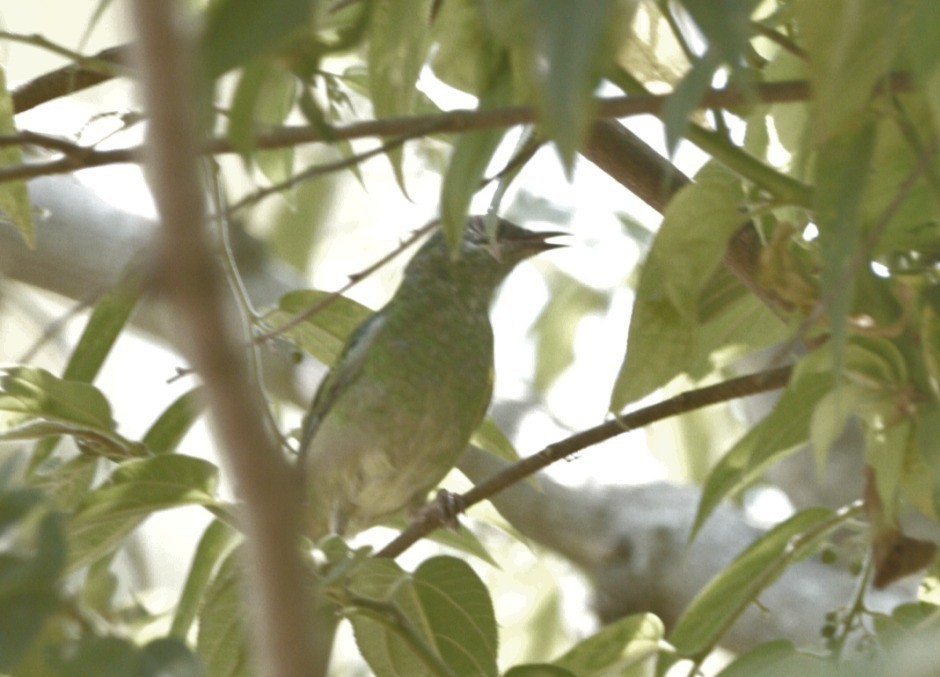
{"x": 616, "y": 647}
{"x": 780, "y": 432}
{"x": 720, "y": 603}
{"x": 216, "y": 541}
{"x": 324, "y": 333}
{"x": 135, "y": 490}
{"x": 222, "y": 641}
{"x": 688, "y": 249}
{"x": 28, "y": 393}
{"x": 172, "y": 425}
{"x": 107, "y": 321}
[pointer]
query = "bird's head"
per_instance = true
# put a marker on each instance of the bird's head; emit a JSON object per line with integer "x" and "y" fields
{"x": 484, "y": 258}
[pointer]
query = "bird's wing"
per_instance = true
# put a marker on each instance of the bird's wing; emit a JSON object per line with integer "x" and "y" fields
{"x": 343, "y": 372}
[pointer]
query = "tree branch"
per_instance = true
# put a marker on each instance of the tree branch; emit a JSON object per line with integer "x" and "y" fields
{"x": 285, "y": 629}
{"x": 454, "y": 121}
{"x": 688, "y": 401}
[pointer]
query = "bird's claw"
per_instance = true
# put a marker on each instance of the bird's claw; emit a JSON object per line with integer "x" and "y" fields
{"x": 443, "y": 509}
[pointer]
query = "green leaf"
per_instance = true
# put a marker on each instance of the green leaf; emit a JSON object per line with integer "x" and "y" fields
{"x": 14, "y": 200}
{"x": 275, "y": 103}
{"x": 842, "y": 176}
{"x": 886, "y": 452}
{"x": 685, "y": 97}
{"x": 32, "y": 555}
{"x": 382, "y": 640}
{"x": 440, "y": 613}
{"x": 68, "y": 483}
{"x": 236, "y": 31}
{"x": 616, "y": 647}
{"x": 459, "y": 611}
{"x": 688, "y": 249}
{"x": 777, "y": 658}
{"x": 726, "y": 26}
{"x": 490, "y": 438}
{"x": 844, "y": 71}
{"x": 116, "y": 657}
{"x": 90, "y": 440}
{"x": 324, "y": 334}
{"x": 222, "y": 642}
{"x": 168, "y": 430}
{"x": 241, "y": 118}
{"x": 28, "y": 393}
{"x": 215, "y": 543}
{"x": 464, "y": 48}
{"x": 399, "y": 39}
{"x": 573, "y": 45}
{"x": 264, "y": 96}
{"x": 472, "y": 154}
{"x": 168, "y": 656}
{"x": 105, "y": 324}
{"x": 726, "y": 596}
{"x": 780, "y": 432}
{"x": 136, "y": 489}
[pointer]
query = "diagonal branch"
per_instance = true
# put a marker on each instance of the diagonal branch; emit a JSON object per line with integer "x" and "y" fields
{"x": 688, "y": 401}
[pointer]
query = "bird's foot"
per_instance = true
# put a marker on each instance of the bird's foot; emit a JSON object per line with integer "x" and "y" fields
{"x": 444, "y": 509}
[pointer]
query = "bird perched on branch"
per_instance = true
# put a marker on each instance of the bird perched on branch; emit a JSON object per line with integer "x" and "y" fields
{"x": 413, "y": 382}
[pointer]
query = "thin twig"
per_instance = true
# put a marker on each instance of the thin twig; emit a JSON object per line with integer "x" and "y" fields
{"x": 327, "y": 168}
{"x": 354, "y": 279}
{"x": 688, "y": 401}
{"x": 453, "y": 121}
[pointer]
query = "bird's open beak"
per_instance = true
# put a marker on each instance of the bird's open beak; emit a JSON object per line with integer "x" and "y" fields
{"x": 533, "y": 242}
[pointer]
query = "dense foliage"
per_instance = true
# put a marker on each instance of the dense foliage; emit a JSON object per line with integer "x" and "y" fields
{"x": 814, "y": 228}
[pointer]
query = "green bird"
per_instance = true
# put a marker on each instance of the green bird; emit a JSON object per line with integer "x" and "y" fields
{"x": 413, "y": 382}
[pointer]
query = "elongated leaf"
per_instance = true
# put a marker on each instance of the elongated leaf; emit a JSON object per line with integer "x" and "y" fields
{"x": 472, "y": 153}
{"x": 616, "y": 647}
{"x": 722, "y": 601}
{"x": 238, "y": 30}
{"x": 324, "y": 334}
{"x": 169, "y": 429}
{"x": 844, "y": 71}
{"x": 222, "y": 642}
{"x": 778, "y": 658}
{"x": 90, "y": 440}
{"x": 399, "y": 39}
{"x": 842, "y": 174}
{"x": 105, "y": 324}
{"x": 572, "y": 48}
{"x": 687, "y": 249}
{"x": 241, "y": 119}
{"x": 14, "y": 200}
{"x": 215, "y": 543}
{"x": 28, "y": 393}
{"x": 780, "y": 432}
{"x": 68, "y": 483}
{"x": 490, "y": 438}
{"x": 135, "y": 490}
